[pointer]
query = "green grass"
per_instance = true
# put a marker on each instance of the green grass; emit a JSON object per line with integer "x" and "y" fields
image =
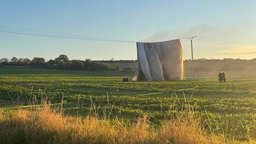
{"x": 222, "y": 108}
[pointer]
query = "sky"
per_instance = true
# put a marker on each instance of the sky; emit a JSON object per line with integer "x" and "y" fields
{"x": 109, "y": 29}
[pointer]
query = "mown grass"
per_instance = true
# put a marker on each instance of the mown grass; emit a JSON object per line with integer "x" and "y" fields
{"x": 226, "y": 109}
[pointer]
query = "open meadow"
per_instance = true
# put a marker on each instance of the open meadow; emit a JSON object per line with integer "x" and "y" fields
{"x": 220, "y": 109}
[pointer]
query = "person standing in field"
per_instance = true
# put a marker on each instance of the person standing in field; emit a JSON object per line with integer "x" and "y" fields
{"x": 222, "y": 77}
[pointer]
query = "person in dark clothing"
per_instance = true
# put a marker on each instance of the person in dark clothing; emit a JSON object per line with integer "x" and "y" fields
{"x": 222, "y": 77}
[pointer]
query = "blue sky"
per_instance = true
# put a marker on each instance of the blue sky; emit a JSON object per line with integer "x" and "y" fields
{"x": 32, "y": 28}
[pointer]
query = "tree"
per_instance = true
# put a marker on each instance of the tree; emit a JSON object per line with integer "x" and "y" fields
{"x": 14, "y": 60}
{"x": 62, "y": 57}
{"x": 4, "y": 61}
{"x": 38, "y": 61}
{"x": 20, "y": 61}
{"x": 96, "y": 65}
{"x": 26, "y": 61}
{"x": 76, "y": 64}
{"x": 62, "y": 61}
{"x": 60, "y": 64}
{"x": 51, "y": 64}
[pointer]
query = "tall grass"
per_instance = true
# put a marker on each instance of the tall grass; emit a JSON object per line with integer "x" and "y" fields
{"x": 46, "y": 126}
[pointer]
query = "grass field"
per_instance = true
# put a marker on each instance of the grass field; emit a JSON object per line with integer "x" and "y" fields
{"x": 221, "y": 108}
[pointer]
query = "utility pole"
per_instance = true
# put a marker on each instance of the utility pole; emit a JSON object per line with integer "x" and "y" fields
{"x": 191, "y": 42}
{"x": 192, "y": 54}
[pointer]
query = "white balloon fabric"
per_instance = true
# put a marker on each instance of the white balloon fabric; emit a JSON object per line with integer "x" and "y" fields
{"x": 160, "y": 61}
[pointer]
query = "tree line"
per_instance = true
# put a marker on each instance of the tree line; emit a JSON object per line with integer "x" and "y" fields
{"x": 61, "y": 62}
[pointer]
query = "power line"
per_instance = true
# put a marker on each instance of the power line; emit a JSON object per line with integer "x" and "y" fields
{"x": 20, "y": 31}
{"x": 65, "y": 37}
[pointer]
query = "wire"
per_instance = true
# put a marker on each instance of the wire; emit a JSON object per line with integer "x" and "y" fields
{"x": 65, "y": 37}
{"x": 18, "y": 31}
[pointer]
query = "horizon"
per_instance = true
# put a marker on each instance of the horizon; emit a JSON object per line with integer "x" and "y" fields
{"x": 189, "y": 59}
